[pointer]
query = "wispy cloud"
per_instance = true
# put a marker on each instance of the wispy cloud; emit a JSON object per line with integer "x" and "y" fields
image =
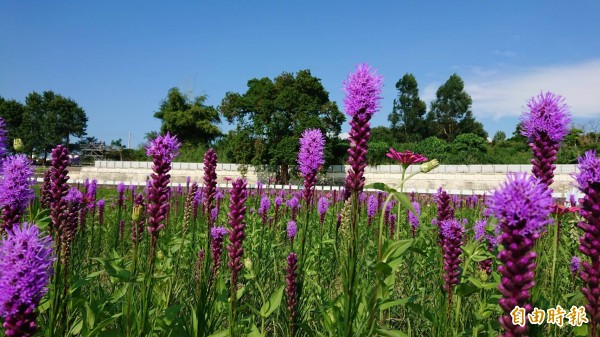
{"x": 496, "y": 94}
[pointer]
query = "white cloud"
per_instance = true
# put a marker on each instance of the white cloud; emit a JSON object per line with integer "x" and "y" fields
{"x": 496, "y": 94}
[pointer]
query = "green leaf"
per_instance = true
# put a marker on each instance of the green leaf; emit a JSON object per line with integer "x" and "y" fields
{"x": 254, "y": 332}
{"x": 222, "y": 333}
{"x": 391, "y": 304}
{"x": 273, "y": 303}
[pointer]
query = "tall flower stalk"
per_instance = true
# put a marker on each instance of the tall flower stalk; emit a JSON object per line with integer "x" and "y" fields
{"x": 363, "y": 90}
{"x": 291, "y": 290}
{"x": 15, "y": 189}
{"x": 522, "y": 207}
{"x": 452, "y": 233}
{"x": 26, "y": 263}
{"x": 210, "y": 182}
{"x": 163, "y": 150}
{"x": 237, "y": 211}
{"x": 588, "y": 180}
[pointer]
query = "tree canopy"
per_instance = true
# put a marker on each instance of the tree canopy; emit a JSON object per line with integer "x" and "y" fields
{"x": 271, "y": 115}
{"x": 191, "y": 120}
{"x": 450, "y": 113}
{"x": 46, "y": 119}
{"x": 406, "y": 118}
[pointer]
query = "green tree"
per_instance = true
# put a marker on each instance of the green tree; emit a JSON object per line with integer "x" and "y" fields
{"x": 12, "y": 113}
{"x": 50, "y": 119}
{"x": 407, "y": 117}
{"x": 433, "y": 148}
{"x": 272, "y": 114}
{"x": 468, "y": 148}
{"x": 450, "y": 113}
{"x": 191, "y": 120}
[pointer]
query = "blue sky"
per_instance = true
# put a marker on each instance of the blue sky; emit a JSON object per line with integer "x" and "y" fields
{"x": 118, "y": 59}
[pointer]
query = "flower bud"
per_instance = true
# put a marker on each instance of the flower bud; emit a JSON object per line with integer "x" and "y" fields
{"x": 18, "y": 144}
{"x": 137, "y": 212}
{"x": 430, "y": 165}
{"x": 248, "y": 264}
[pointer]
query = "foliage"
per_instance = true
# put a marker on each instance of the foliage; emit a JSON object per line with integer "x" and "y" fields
{"x": 450, "y": 113}
{"x": 46, "y": 119}
{"x": 407, "y": 116}
{"x": 271, "y": 115}
{"x": 191, "y": 120}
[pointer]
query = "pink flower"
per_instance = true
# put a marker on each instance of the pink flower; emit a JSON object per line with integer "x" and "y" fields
{"x": 407, "y": 157}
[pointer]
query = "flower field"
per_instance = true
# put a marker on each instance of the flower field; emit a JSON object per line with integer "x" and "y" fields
{"x": 209, "y": 260}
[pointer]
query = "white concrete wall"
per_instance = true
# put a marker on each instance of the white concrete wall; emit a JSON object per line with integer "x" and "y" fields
{"x": 458, "y": 179}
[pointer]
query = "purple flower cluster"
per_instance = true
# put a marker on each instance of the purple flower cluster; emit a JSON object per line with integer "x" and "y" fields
{"x": 210, "y": 180}
{"x": 322, "y": 207}
{"x": 294, "y": 204}
{"x": 588, "y": 180}
{"x": 26, "y": 264}
{"x": 452, "y": 233}
{"x": 310, "y": 158}
{"x": 216, "y": 247}
{"x": 138, "y": 219}
{"x": 265, "y": 204}
{"x": 101, "y": 205}
{"x": 575, "y": 265}
{"x": 3, "y": 139}
{"x": 291, "y": 288}
{"x": 121, "y": 194}
{"x": 363, "y": 89}
{"x": 162, "y": 150}
{"x": 372, "y": 206}
{"x": 414, "y": 218}
{"x": 58, "y": 185}
{"x": 237, "y": 211}
{"x": 545, "y": 125}
{"x": 291, "y": 230}
{"x": 15, "y": 189}
{"x": 522, "y": 207}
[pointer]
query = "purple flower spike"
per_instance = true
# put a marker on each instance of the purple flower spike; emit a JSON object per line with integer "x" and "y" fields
{"x": 310, "y": 158}
{"x": 3, "y": 138}
{"x": 58, "y": 185}
{"x": 26, "y": 264}
{"x": 291, "y": 230}
{"x": 452, "y": 233}
{"x": 322, "y": 207}
{"x": 15, "y": 189}
{"x": 210, "y": 180}
{"x": 237, "y": 211}
{"x": 101, "y": 205}
{"x": 216, "y": 244}
{"x": 522, "y": 207}
{"x": 413, "y": 219}
{"x": 362, "y": 89}
{"x": 371, "y": 208}
{"x": 291, "y": 288}
{"x": 588, "y": 180}
{"x": 162, "y": 150}
{"x": 575, "y": 265}
{"x": 545, "y": 125}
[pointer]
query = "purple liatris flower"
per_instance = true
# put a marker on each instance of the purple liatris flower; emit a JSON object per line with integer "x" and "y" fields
{"x": 392, "y": 225}
{"x": 138, "y": 219}
{"x": 545, "y": 125}
{"x": 588, "y": 180}
{"x": 213, "y": 215}
{"x": 294, "y": 205}
{"x": 291, "y": 230}
{"x": 445, "y": 210}
{"x": 575, "y": 265}
{"x": 121, "y": 194}
{"x": 310, "y": 158}
{"x": 15, "y": 189}
{"x": 522, "y": 207}
{"x": 58, "y": 185}
{"x": 26, "y": 264}
{"x": 371, "y": 208}
{"x": 101, "y": 205}
{"x": 322, "y": 207}
{"x": 291, "y": 288}
{"x": 263, "y": 210}
{"x": 237, "y": 211}
{"x": 452, "y": 233}
{"x": 479, "y": 229}
{"x": 210, "y": 180}
{"x": 414, "y": 218}
{"x": 363, "y": 90}
{"x": 216, "y": 246}
{"x": 162, "y": 150}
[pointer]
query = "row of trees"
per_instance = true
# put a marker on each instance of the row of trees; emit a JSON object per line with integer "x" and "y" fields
{"x": 271, "y": 114}
{"x": 45, "y": 120}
